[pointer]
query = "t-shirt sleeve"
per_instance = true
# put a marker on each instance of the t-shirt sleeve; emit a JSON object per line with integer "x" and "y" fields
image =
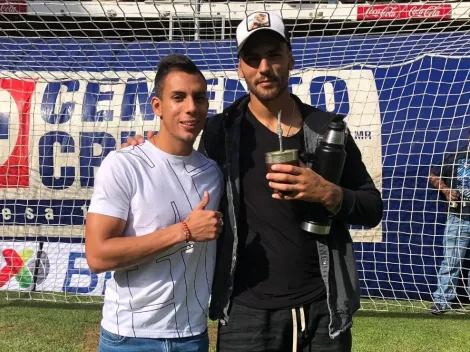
{"x": 112, "y": 193}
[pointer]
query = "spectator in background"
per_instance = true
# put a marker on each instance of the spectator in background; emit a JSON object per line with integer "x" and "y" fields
{"x": 452, "y": 179}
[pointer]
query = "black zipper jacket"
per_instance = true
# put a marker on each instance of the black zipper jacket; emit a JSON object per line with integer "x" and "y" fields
{"x": 361, "y": 205}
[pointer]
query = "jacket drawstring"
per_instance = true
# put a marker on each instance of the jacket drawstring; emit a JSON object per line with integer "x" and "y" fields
{"x": 302, "y": 326}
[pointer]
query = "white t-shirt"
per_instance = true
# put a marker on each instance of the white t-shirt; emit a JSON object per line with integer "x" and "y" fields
{"x": 167, "y": 296}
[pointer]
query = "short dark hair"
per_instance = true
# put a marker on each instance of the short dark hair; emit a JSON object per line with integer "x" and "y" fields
{"x": 174, "y": 62}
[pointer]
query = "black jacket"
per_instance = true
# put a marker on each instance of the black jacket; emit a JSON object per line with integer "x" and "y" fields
{"x": 361, "y": 205}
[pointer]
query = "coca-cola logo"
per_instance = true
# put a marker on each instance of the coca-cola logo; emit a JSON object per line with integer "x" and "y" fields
{"x": 8, "y": 8}
{"x": 431, "y": 11}
{"x": 12, "y": 7}
{"x": 382, "y": 12}
{"x": 387, "y": 12}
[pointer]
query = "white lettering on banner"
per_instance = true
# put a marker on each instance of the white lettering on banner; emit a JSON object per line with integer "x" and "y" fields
{"x": 425, "y": 12}
{"x": 384, "y": 12}
{"x": 6, "y": 214}
{"x": 393, "y": 11}
{"x": 9, "y": 8}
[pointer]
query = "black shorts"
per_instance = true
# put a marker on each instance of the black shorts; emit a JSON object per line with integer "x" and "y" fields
{"x": 256, "y": 330}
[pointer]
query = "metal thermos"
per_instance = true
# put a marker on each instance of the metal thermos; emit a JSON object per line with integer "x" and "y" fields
{"x": 330, "y": 155}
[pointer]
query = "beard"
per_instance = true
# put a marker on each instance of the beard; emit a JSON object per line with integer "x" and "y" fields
{"x": 268, "y": 94}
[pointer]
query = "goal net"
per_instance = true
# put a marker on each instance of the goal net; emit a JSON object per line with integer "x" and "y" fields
{"x": 76, "y": 80}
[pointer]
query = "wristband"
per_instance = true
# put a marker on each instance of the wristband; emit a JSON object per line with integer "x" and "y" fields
{"x": 186, "y": 231}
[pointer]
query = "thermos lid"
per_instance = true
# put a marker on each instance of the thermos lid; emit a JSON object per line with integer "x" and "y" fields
{"x": 337, "y": 123}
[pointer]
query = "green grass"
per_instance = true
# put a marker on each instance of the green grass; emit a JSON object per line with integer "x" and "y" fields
{"x": 46, "y": 326}
{"x": 410, "y": 332}
{"x": 70, "y": 327}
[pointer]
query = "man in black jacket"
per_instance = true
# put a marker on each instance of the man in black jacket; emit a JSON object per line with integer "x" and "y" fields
{"x": 277, "y": 287}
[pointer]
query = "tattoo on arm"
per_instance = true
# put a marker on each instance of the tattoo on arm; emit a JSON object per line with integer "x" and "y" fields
{"x": 333, "y": 194}
{"x": 316, "y": 181}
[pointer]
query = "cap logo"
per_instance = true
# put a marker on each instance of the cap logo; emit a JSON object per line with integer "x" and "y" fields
{"x": 258, "y": 20}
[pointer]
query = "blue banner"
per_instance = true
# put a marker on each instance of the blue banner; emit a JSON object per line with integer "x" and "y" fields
{"x": 415, "y": 88}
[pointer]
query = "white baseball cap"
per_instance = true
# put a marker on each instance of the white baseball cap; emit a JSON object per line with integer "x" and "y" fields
{"x": 257, "y": 21}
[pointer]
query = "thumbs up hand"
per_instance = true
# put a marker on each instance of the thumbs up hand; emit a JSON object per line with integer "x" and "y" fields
{"x": 204, "y": 225}
{"x": 204, "y": 202}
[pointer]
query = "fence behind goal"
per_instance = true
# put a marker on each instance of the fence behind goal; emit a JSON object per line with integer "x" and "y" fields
{"x": 76, "y": 81}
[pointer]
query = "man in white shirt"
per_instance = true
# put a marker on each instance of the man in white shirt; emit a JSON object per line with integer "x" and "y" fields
{"x": 153, "y": 222}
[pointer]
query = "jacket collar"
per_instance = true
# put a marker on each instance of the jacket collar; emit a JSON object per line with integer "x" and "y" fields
{"x": 234, "y": 113}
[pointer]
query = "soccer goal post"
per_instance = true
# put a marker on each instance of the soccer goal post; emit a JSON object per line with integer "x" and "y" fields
{"x": 76, "y": 79}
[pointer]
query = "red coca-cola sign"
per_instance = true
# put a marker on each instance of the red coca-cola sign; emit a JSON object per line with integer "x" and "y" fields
{"x": 391, "y": 12}
{"x": 12, "y": 7}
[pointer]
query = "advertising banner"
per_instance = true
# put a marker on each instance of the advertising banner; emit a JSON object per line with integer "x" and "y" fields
{"x": 405, "y": 98}
{"x": 399, "y": 12}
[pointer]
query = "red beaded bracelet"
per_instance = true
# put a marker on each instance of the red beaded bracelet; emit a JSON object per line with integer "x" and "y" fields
{"x": 186, "y": 231}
